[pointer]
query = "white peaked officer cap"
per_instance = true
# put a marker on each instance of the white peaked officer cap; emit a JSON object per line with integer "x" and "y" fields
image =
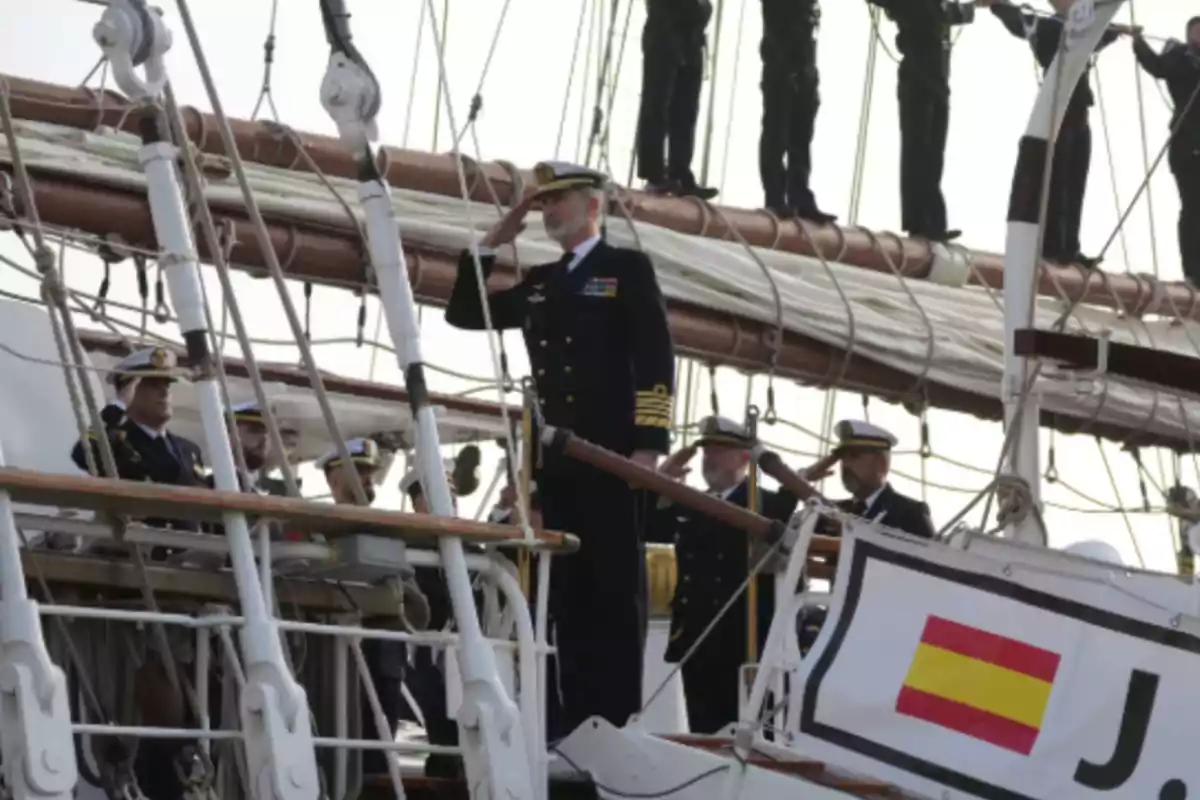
{"x": 556, "y": 176}
{"x": 151, "y": 359}
{"x": 246, "y": 412}
{"x": 859, "y": 435}
{"x": 362, "y": 451}
{"x": 723, "y": 431}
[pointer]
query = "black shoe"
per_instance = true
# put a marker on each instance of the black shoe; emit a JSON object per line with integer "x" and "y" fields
{"x": 1087, "y": 262}
{"x": 693, "y": 189}
{"x": 814, "y": 214}
{"x": 939, "y": 236}
{"x": 659, "y": 188}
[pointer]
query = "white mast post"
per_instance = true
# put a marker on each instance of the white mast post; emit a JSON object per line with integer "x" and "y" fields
{"x": 497, "y": 761}
{"x": 1085, "y": 24}
{"x": 274, "y": 707}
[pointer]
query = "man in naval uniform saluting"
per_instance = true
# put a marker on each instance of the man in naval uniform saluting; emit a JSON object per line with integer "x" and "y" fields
{"x": 600, "y": 352}
{"x": 143, "y": 448}
{"x": 865, "y": 451}
{"x": 712, "y": 563}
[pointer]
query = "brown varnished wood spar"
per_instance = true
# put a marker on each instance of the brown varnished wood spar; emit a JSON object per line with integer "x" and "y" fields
{"x": 332, "y": 255}
{"x": 265, "y": 143}
{"x": 140, "y": 499}
{"x": 743, "y": 519}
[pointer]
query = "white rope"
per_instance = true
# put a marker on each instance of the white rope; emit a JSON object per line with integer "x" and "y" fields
{"x": 818, "y": 296}
{"x": 467, "y": 206}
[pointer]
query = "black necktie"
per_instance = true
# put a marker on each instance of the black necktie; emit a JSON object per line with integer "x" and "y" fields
{"x": 858, "y": 507}
{"x": 560, "y": 266}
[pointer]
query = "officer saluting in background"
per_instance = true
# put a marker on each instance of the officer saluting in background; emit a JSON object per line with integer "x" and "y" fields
{"x": 712, "y": 563}
{"x": 600, "y": 352}
{"x": 136, "y": 428}
{"x": 865, "y": 453}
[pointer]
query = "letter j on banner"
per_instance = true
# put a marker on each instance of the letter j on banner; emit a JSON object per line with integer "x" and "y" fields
{"x": 979, "y": 684}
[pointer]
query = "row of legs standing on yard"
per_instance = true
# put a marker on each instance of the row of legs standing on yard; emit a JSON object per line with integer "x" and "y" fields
{"x": 674, "y": 51}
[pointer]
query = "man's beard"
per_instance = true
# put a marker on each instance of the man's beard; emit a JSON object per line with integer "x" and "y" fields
{"x": 564, "y": 230}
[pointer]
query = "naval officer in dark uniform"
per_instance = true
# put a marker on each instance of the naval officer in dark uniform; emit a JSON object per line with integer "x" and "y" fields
{"x": 600, "y": 352}
{"x": 791, "y": 97}
{"x": 923, "y": 88}
{"x": 712, "y": 563}
{"x": 136, "y": 428}
{"x": 673, "y": 49}
{"x": 1073, "y": 147}
{"x": 1178, "y": 65}
{"x": 864, "y": 451}
{"x": 145, "y": 450}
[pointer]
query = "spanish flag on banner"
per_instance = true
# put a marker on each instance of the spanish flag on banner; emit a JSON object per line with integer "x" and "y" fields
{"x": 986, "y": 686}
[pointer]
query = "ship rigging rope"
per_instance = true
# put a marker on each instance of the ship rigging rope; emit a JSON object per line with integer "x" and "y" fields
{"x": 63, "y": 328}
{"x": 499, "y": 371}
{"x": 700, "y": 272}
{"x": 270, "y": 257}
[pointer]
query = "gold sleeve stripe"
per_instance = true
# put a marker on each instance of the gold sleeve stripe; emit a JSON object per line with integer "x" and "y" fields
{"x": 655, "y": 405}
{"x": 659, "y": 391}
{"x": 655, "y": 421}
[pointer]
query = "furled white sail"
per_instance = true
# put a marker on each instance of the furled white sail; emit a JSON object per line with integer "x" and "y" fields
{"x": 947, "y": 334}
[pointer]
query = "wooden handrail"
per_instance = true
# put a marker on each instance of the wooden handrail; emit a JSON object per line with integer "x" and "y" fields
{"x": 139, "y": 499}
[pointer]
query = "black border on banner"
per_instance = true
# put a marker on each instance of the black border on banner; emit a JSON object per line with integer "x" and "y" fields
{"x": 865, "y": 551}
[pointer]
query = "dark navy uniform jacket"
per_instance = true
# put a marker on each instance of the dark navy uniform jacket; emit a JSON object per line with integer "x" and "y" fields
{"x": 899, "y": 512}
{"x": 923, "y": 38}
{"x": 1179, "y": 66}
{"x": 600, "y": 350}
{"x": 166, "y": 459}
{"x": 1043, "y": 35}
{"x": 712, "y": 561}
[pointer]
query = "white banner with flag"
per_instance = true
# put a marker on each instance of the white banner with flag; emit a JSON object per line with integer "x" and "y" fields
{"x": 955, "y": 676}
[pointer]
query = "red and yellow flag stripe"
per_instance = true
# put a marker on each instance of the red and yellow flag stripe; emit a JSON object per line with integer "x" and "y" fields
{"x": 980, "y": 684}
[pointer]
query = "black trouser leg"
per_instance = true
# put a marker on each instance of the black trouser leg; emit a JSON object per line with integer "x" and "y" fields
{"x": 683, "y": 114}
{"x": 1080, "y": 165}
{"x": 924, "y": 116}
{"x": 660, "y": 68}
{"x": 386, "y": 662}
{"x": 772, "y": 142}
{"x": 802, "y": 119}
{"x": 935, "y": 202}
{"x": 597, "y": 599}
{"x": 1185, "y": 166}
{"x": 1068, "y": 182}
{"x": 710, "y": 685}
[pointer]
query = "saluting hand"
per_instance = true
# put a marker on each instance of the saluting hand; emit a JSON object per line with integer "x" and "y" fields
{"x": 509, "y": 226}
{"x": 676, "y": 465}
{"x": 823, "y": 468}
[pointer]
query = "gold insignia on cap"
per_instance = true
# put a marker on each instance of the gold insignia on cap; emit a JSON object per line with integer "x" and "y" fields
{"x": 159, "y": 358}
{"x": 543, "y": 173}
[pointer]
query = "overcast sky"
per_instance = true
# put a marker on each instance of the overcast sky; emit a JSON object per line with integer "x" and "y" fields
{"x": 994, "y": 81}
